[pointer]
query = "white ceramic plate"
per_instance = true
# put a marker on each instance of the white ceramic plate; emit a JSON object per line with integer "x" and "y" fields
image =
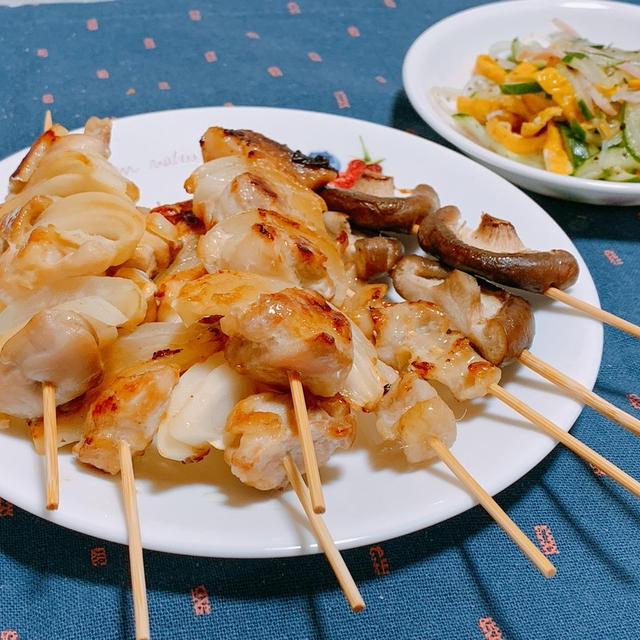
{"x": 201, "y": 509}
{"x": 444, "y": 55}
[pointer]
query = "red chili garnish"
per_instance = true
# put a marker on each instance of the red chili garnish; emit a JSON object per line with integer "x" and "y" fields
{"x": 347, "y": 178}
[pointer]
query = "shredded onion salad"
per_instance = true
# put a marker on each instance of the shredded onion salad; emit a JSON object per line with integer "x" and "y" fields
{"x": 569, "y": 106}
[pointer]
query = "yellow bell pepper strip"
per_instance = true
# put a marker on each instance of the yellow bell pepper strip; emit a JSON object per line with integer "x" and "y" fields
{"x": 516, "y": 105}
{"x": 634, "y": 83}
{"x": 523, "y": 71}
{"x": 553, "y": 153}
{"x": 607, "y": 92}
{"x": 536, "y": 102}
{"x": 486, "y": 66}
{"x": 540, "y": 121}
{"x": 561, "y": 90}
{"x": 502, "y": 133}
{"x": 479, "y": 108}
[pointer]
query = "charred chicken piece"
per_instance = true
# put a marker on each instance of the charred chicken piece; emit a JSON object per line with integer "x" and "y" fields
{"x": 130, "y": 409}
{"x": 268, "y": 243}
{"x": 495, "y": 252}
{"x": 379, "y": 213}
{"x": 417, "y": 336}
{"x": 227, "y": 186}
{"x": 498, "y": 323}
{"x": 261, "y": 431}
{"x": 312, "y": 172}
{"x": 290, "y": 330}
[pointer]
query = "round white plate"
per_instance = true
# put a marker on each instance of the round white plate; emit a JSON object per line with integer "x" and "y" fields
{"x": 371, "y": 495}
{"x": 444, "y": 55}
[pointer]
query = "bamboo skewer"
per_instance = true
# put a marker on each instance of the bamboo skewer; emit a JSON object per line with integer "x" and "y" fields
{"x": 595, "y": 312}
{"x": 493, "y": 509}
{"x": 138, "y": 583}
{"x": 50, "y": 445}
{"x": 48, "y": 122}
{"x": 49, "y": 415}
{"x": 580, "y": 392}
{"x": 323, "y": 537}
{"x": 306, "y": 443}
{"x": 569, "y": 441}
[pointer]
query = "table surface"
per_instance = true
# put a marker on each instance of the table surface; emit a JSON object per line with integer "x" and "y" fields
{"x": 461, "y": 579}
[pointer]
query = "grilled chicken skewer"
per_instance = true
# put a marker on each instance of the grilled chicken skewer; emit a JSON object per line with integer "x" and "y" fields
{"x": 499, "y": 324}
{"x": 274, "y": 330}
{"x": 62, "y": 177}
{"x": 417, "y": 336}
{"x": 284, "y": 237}
{"x": 412, "y": 412}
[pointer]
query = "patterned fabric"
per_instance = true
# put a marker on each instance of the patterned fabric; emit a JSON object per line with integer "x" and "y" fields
{"x": 460, "y": 579}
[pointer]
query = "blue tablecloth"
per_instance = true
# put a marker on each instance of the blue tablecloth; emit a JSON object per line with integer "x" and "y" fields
{"x": 458, "y": 580}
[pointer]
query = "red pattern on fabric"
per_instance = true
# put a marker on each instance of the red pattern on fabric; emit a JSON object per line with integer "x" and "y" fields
{"x": 545, "y": 538}
{"x": 200, "y": 601}
{"x": 490, "y": 630}
{"x": 341, "y": 99}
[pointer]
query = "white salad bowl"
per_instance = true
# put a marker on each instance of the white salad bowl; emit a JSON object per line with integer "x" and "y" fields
{"x": 443, "y": 56}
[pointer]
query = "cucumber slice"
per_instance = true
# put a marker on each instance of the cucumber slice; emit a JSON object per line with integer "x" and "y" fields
{"x": 576, "y": 147}
{"x": 631, "y": 133}
{"x": 586, "y": 112}
{"x": 518, "y": 88}
{"x": 615, "y": 163}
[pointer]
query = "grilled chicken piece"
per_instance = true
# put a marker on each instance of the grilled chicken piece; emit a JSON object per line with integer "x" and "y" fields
{"x": 130, "y": 409}
{"x": 417, "y": 336}
{"x": 270, "y": 244}
{"x": 56, "y": 346}
{"x": 227, "y": 186}
{"x": 494, "y": 251}
{"x": 312, "y": 172}
{"x": 261, "y": 431}
{"x": 498, "y": 323}
{"x": 410, "y": 412}
{"x": 290, "y": 330}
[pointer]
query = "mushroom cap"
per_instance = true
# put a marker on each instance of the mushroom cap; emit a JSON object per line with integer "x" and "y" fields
{"x": 379, "y": 213}
{"x": 507, "y": 262}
